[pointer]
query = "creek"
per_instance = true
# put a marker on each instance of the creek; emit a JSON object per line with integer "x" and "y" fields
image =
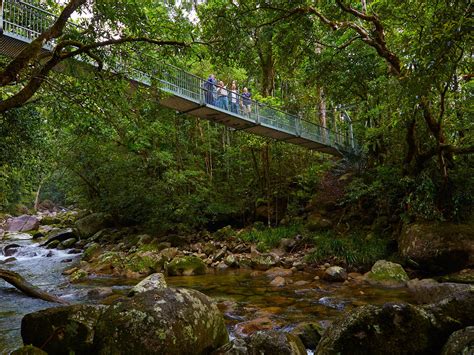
{"x": 245, "y": 297}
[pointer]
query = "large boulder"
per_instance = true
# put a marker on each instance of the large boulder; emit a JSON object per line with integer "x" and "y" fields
{"x": 460, "y": 342}
{"x": 170, "y": 321}
{"x": 92, "y": 223}
{"x": 22, "y": 223}
{"x": 431, "y": 291}
{"x": 438, "y": 247}
{"x": 62, "y": 330}
{"x": 387, "y": 274}
{"x": 398, "y": 328}
{"x": 186, "y": 266}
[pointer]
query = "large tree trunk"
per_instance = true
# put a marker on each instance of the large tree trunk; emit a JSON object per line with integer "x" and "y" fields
{"x": 28, "y": 289}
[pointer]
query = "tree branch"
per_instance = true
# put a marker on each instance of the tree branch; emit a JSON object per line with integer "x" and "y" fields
{"x": 33, "y": 49}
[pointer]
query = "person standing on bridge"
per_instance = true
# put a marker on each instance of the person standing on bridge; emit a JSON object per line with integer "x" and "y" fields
{"x": 210, "y": 89}
{"x": 222, "y": 96}
{"x": 246, "y": 101}
{"x": 234, "y": 98}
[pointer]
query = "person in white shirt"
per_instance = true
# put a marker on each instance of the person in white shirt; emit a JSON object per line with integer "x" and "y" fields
{"x": 222, "y": 96}
{"x": 234, "y": 98}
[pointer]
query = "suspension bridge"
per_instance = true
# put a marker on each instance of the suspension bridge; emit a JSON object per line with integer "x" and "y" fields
{"x": 21, "y": 22}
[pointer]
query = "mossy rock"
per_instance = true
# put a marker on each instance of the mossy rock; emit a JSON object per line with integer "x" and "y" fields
{"x": 141, "y": 263}
{"x": 186, "y": 266}
{"x": 224, "y": 233}
{"x": 62, "y": 330}
{"x": 438, "y": 247}
{"x": 387, "y": 274}
{"x": 316, "y": 223}
{"x": 398, "y": 328}
{"x": 91, "y": 224}
{"x": 91, "y": 252}
{"x": 460, "y": 342}
{"x": 309, "y": 333}
{"x": 50, "y": 220}
{"x": 169, "y": 321}
{"x": 29, "y": 350}
{"x": 78, "y": 276}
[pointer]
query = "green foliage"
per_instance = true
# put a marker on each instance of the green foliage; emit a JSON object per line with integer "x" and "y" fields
{"x": 354, "y": 249}
{"x": 269, "y": 238}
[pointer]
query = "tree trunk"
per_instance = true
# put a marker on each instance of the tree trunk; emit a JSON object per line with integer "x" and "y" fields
{"x": 28, "y": 289}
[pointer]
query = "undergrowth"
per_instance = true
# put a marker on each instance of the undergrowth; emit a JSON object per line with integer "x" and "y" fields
{"x": 268, "y": 238}
{"x": 354, "y": 249}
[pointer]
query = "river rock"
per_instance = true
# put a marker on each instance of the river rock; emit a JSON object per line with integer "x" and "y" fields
{"x": 287, "y": 244}
{"x": 59, "y": 235}
{"x": 438, "y": 247}
{"x": 387, "y": 274}
{"x": 10, "y": 249}
{"x": 8, "y": 260}
{"x": 153, "y": 282}
{"x": 465, "y": 276}
{"x": 186, "y": 266}
{"x": 91, "y": 224}
{"x": 169, "y": 321}
{"x": 54, "y": 244}
{"x": 460, "y": 342}
{"x": 398, "y": 327}
{"x": 246, "y": 328}
{"x": 316, "y": 222}
{"x": 231, "y": 260}
{"x": 278, "y": 271}
{"x": 431, "y": 291}
{"x": 264, "y": 261}
{"x": 278, "y": 282}
{"x": 309, "y": 333}
{"x": 68, "y": 243}
{"x": 22, "y": 223}
{"x": 335, "y": 274}
{"x": 62, "y": 330}
{"x": 275, "y": 342}
{"x": 100, "y": 293}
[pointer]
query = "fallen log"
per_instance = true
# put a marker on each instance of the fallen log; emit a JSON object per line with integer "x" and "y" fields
{"x": 28, "y": 289}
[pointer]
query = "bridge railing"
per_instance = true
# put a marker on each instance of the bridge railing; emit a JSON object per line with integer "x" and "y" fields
{"x": 26, "y": 21}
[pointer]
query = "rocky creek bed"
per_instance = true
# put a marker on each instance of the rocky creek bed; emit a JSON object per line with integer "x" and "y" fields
{"x": 257, "y": 293}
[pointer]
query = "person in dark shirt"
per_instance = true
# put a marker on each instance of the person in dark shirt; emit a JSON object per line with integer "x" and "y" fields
{"x": 210, "y": 89}
{"x": 246, "y": 101}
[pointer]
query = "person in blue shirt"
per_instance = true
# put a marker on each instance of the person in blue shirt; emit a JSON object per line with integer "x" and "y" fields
{"x": 210, "y": 90}
{"x": 246, "y": 101}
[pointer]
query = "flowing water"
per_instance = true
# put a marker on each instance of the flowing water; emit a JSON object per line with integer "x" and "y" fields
{"x": 246, "y": 298}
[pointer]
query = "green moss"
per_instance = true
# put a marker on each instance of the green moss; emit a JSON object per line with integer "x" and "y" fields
{"x": 92, "y": 251}
{"x": 78, "y": 276}
{"x": 186, "y": 265}
{"x": 268, "y": 238}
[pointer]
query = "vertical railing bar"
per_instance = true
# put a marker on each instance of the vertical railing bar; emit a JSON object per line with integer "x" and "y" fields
{"x": 1, "y": 17}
